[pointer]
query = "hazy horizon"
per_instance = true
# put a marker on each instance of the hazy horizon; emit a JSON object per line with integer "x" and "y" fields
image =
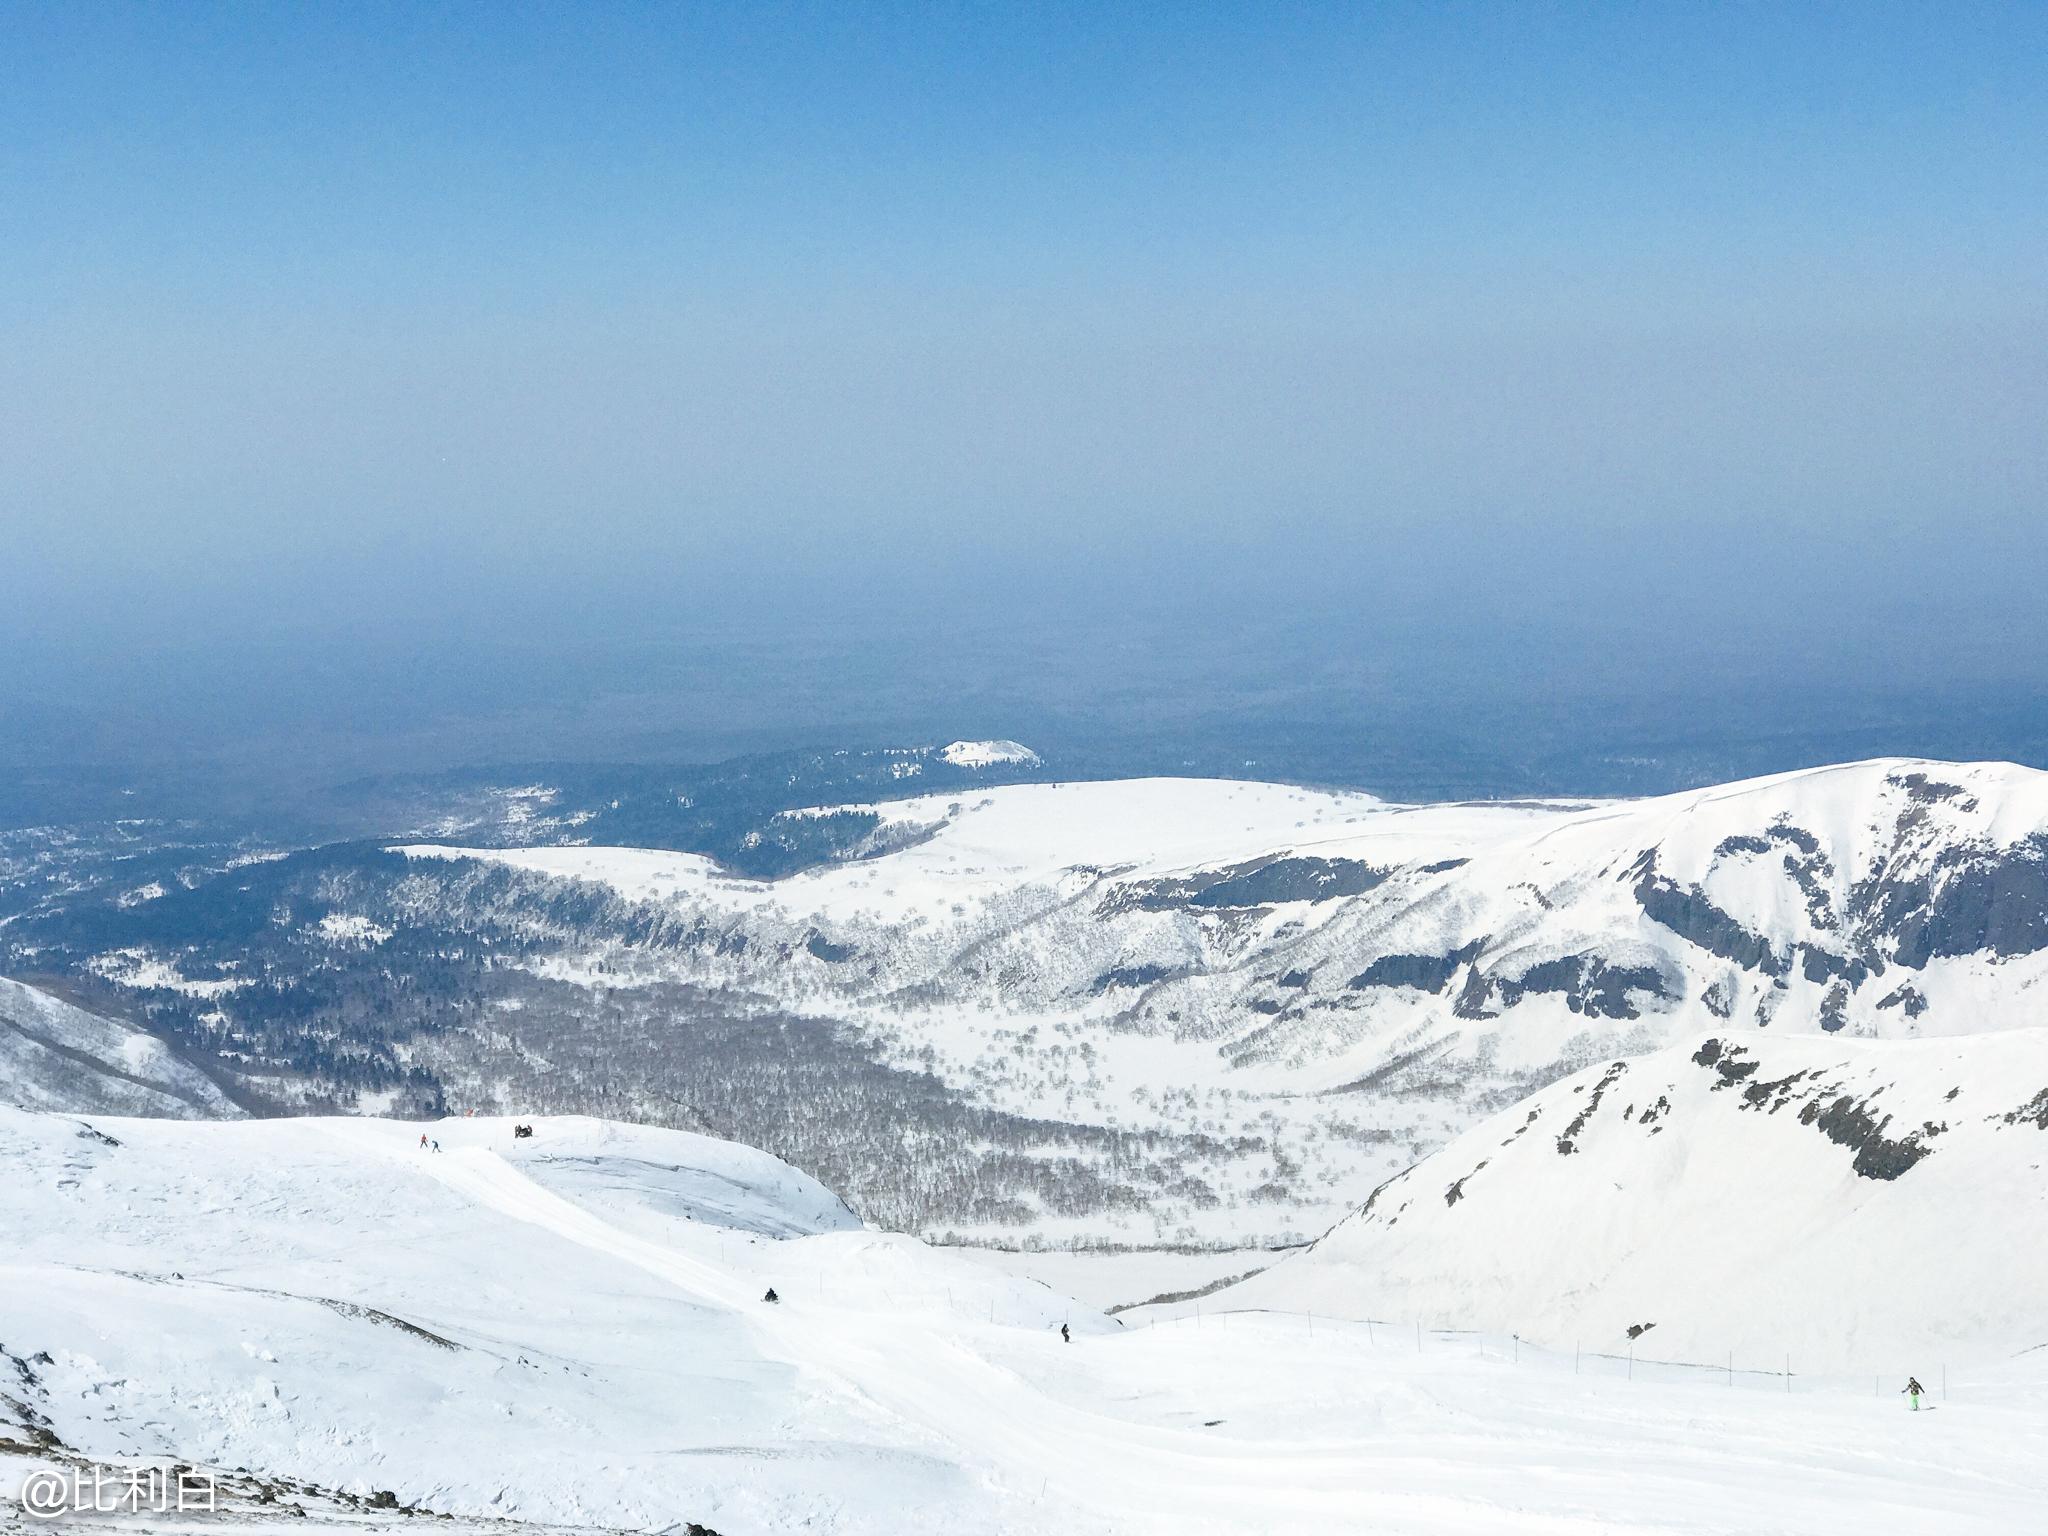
{"x": 398, "y": 386}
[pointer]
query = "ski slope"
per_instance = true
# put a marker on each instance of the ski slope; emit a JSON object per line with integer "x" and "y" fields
{"x": 571, "y": 1330}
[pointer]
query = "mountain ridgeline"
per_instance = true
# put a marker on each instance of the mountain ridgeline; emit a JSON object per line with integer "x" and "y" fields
{"x": 989, "y": 1004}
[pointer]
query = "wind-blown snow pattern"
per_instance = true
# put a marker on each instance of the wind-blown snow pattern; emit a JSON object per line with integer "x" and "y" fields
{"x": 1746, "y": 1196}
{"x": 571, "y": 1329}
{"x": 60, "y": 1057}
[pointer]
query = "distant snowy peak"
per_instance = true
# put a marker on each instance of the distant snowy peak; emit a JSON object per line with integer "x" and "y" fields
{"x": 1760, "y": 1194}
{"x": 987, "y": 754}
{"x": 54, "y": 1056}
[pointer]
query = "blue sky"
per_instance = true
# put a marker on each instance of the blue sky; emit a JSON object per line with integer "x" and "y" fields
{"x": 466, "y": 325}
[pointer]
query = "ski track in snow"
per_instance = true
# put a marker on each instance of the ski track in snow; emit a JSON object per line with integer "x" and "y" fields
{"x": 1021, "y": 1436}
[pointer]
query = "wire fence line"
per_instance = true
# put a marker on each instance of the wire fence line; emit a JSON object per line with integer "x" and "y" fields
{"x": 1776, "y": 1373}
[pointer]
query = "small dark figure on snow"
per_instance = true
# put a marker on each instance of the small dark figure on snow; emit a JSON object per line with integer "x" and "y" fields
{"x": 521, "y": 1130}
{"x": 1913, "y": 1390}
{"x": 1066, "y": 1335}
{"x": 423, "y": 1141}
{"x": 771, "y": 1297}
{"x": 436, "y": 1146}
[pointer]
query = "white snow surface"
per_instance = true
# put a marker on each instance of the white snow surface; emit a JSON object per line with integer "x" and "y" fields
{"x": 986, "y": 845}
{"x": 1016, "y": 943}
{"x": 986, "y": 754}
{"x": 571, "y": 1329}
{"x": 1837, "y": 1202}
{"x": 56, "y": 1056}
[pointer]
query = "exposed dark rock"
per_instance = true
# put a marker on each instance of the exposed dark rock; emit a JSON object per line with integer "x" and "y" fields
{"x": 1473, "y": 998}
{"x": 1254, "y": 883}
{"x": 1742, "y": 842}
{"x": 1688, "y": 913}
{"x": 1588, "y": 983}
{"x": 1906, "y": 996}
{"x": 1806, "y": 865}
{"x": 1567, "y": 1144}
{"x": 1456, "y": 1192}
{"x": 1726, "y": 1061}
{"x": 1819, "y": 965}
{"x": 1834, "y": 1008}
{"x": 1850, "y": 1123}
{"x": 1298, "y": 879}
{"x": 1977, "y": 900}
{"x": 1131, "y": 976}
{"x": 1774, "y": 1094}
{"x": 1425, "y": 973}
{"x": 1922, "y": 790}
{"x": 2034, "y": 1112}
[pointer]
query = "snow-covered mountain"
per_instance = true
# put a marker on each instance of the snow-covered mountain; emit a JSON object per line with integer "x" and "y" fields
{"x": 570, "y": 1333}
{"x": 1292, "y": 926}
{"x": 1178, "y": 953}
{"x": 1141, "y": 1011}
{"x": 1748, "y": 1196}
{"x": 59, "y": 1057}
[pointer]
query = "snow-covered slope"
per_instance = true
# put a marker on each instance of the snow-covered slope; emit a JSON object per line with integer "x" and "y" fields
{"x": 1753, "y": 1195}
{"x": 56, "y": 1056}
{"x": 570, "y": 1329}
{"x": 983, "y": 754}
{"x": 1343, "y": 980}
{"x": 1886, "y": 897}
{"x": 1147, "y": 1011}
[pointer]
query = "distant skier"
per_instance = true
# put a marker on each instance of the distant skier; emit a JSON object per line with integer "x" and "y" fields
{"x": 1913, "y": 1391}
{"x": 771, "y": 1298}
{"x": 1066, "y": 1335}
{"x": 437, "y": 1146}
{"x": 423, "y": 1141}
{"x": 519, "y": 1131}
